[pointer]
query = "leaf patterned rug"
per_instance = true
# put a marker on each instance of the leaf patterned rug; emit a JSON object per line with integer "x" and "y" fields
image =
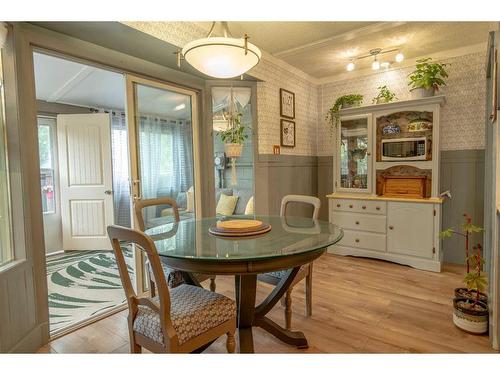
{"x": 83, "y": 284}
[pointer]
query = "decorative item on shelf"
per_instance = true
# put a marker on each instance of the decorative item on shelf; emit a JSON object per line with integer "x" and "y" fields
{"x": 233, "y": 138}
{"x": 358, "y": 153}
{"x": 470, "y": 304}
{"x": 404, "y": 181}
{"x": 345, "y": 101}
{"x": 419, "y": 126}
{"x": 221, "y": 57}
{"x": 384, "y": 95}
{"x": 287, "y": 104}
{"x": 392, "y": 128}
{"x": 287, "y": 133}
{"x": 427, "y": 77}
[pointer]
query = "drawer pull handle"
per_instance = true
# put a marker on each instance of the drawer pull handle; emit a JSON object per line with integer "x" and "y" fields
{"x": 357, "y": 240}
{"x": 378, "y": 208}
{"x": 338, "y": 205}
{"x": 350, "y": 206}
{"x": 357, "y": 222}
{"x": 363, "y": 207}
{"x": 391, "y": 227}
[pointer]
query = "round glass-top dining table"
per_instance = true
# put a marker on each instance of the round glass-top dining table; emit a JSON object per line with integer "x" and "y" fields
{"x": 188, "y": 246}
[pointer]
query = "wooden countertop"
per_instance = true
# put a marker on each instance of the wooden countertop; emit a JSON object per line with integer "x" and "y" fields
{"x": 379, "y": 198}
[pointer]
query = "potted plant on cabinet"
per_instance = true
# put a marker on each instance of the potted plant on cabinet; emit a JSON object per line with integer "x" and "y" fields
{"x": 384, "y": 95}
{"x": 470, "y": 313}
{"x": 345, "y": 101}
{"x": 426, "y": 78}
{"x": 467, "y": 229}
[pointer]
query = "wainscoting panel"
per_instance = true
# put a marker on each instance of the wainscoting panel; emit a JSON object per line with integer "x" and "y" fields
{"x": 325, "y": 183}
{"x": 280, "y": 175}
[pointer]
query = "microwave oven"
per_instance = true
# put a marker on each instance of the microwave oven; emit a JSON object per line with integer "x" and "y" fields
{"x": 404, "y": 149}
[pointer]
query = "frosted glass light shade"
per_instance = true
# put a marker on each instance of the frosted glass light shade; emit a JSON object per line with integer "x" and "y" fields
{"x": 375, "y": 65}
{"x": 221, "y": 57}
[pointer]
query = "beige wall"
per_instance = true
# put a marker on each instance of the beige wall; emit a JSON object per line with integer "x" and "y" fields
{"x": 462, "y": 117}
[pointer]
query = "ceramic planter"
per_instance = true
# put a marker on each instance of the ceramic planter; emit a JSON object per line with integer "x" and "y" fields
{"x": 421, "y": 92}
{"x": 465, "y": 293}
{"x": 468, "y": 319}
{"x": 381, "y": 101}
{"x": 350, "y": 105}
{"x": 233, "y": 150}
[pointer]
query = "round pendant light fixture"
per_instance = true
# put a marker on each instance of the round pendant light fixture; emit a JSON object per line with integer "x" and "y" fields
{"x": 222, "y": 57}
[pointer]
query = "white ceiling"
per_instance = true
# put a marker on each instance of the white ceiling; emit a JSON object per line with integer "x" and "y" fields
{"x": 68, "y": 82}
{"x": 323, "y": 49}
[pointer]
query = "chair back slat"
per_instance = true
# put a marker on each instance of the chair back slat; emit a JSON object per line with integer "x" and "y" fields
{"x": 314, "y": 201}
{"x": 140, "y": 204}
{"x": 118, "y": 235}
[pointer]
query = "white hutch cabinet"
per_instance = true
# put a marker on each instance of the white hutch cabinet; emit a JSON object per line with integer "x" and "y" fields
{"x": 386, "y": 179}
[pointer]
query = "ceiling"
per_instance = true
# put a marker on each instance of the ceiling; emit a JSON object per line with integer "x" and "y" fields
{"x": 68, "y": 82}
{"x": 323, "y": 49}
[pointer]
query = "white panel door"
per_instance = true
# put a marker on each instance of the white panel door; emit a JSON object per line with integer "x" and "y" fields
{"x": 86, "y": 180}
{"x": 410, "y": 229}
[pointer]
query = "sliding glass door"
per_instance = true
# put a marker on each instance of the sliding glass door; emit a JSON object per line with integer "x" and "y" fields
{"x": 162, "y": 135}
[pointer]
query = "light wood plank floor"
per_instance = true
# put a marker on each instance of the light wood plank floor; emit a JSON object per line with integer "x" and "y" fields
{"x": 359, "y": 306}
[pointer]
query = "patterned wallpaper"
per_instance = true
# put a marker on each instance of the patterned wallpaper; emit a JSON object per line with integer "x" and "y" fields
{"x": 462, "y": 121}
{"x": 462, "y": 117}
{"x": 275, "y": 74}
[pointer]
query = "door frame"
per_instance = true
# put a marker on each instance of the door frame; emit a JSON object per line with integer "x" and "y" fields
{"x": 135, "y": 190}
{"x": 21, "y": 113}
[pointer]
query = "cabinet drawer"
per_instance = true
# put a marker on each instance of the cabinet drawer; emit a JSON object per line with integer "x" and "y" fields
{"x": 364, "y": 240}
{"x": 355, "y": 205}
{"x": 362, "y": 222}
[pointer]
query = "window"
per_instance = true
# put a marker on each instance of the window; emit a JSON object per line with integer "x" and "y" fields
{"x": 46, "y": 145}
{"x": 5, "y": 218}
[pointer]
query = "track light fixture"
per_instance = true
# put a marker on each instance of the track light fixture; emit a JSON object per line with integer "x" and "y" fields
{"x": 376, "y": 64}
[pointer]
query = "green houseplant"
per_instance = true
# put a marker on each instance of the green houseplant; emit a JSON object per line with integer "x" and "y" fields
{"x": 426, "y": 78}
{"x": 344, "y": 101}
{"x": 384, "y": 95}
{"x": 471, "y": 313}
{"x": 234, "y": 136}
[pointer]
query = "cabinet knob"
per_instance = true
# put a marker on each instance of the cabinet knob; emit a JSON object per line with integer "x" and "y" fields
{"x": 377, "y": 208}
{"x": 350, "y": 206}
{"x": 357, "y": 240}
{"x": 368, "y": 153}
{"x": 357, "y": 222}
{"x": 363, "y": 207}
{"x": 338, "y": 205}
{"x": 391, "y": 227}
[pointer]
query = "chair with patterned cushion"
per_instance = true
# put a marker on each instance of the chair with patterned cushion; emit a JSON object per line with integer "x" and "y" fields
{"x": 174, "y": 278}
{"x": 184, "y": 319}
{"x": 305, "y": 271}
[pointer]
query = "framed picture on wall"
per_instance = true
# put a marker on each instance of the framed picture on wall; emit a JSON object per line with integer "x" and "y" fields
{"x": 287, "y": 104}
{"x": 287, "y": 133}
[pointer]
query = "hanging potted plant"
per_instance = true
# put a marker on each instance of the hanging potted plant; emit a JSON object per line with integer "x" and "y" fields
{"x": 470, "y": 313}
{"x": 467, "y": 229}
{"x": 426, "y": 79}
{"x": 345, "y": 101}
{"x": 384, "y": 95}
{"x": 234, "y": 136}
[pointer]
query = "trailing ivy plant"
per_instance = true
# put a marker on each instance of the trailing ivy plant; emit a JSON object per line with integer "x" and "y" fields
{"x": 235, "y": 133}
{"x": 428, "y": 75}
{"x": 384, "y": 93}
{"x": 333, "y": 115}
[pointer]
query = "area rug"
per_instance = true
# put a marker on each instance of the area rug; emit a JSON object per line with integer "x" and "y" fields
{"x": 82, "y": 285}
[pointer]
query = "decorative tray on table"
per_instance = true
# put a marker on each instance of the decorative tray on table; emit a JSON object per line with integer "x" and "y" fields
{"x": 239, "y": 228}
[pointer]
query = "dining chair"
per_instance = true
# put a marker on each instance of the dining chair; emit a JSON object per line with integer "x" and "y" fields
{"x": 174, "y": 278}
{"x": 305, "y": 271}
{"x": 184, "y": 319}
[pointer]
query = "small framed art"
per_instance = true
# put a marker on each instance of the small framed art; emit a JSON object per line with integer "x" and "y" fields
{"x": 287, "y": 104}
{"x": 287, "y": 133}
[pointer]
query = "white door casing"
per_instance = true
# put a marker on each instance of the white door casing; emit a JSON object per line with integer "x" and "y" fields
{"x": 86, "y": 180}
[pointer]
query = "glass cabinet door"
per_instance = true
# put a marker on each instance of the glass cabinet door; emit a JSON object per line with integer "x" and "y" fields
{"x": 354, "y": 155}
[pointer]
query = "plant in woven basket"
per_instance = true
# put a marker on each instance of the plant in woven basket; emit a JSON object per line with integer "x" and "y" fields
{"x": 235, "y": 132}
{"x": 474, "y": 280}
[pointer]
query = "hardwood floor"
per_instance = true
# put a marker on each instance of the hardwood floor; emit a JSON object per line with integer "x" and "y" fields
{"x": 359, "y": 306}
